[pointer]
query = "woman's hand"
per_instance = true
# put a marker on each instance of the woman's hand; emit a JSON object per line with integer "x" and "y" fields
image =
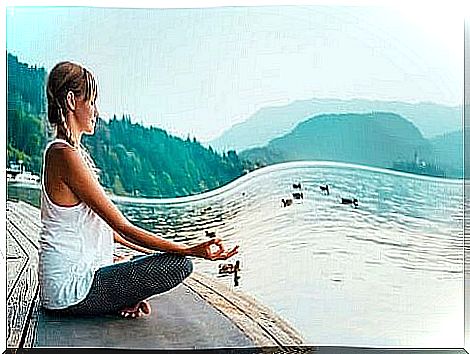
{"x": 203, "y": 250}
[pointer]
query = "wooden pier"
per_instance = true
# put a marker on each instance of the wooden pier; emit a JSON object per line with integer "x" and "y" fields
{"x": 200, "y": 313}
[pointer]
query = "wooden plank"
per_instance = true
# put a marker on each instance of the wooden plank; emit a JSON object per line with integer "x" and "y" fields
{"x": 29, "y": 218}
{"x": 257, "y": 321}
{"x": 29, "y": 207}
{"x": 31, "y": 211}
{"x": 29, "y": 230}
{"x": 29, "y": 333}
{"x": 24, "y": 288}
{"x": 18, "y": 308}
{"x": 14, "y": 267}
{"x": 15, "y": 271}
{"x": 15, "y": 261}
{"x": 27, "y": 252}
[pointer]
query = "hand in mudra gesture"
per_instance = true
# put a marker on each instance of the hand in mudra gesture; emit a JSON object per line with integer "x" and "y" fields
{"x": 204, "y": 250}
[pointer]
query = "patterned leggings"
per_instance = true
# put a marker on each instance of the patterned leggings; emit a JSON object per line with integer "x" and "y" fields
{"x": 124, "y": 284}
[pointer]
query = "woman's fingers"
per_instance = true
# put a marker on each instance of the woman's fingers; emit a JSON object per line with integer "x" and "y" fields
{"x": 207, "y": 247}
{"x": 211, "y": 254}
{"x": 233, "y": 252}
{"x": 217, "y": 254}
{"x": 226, "y": 255}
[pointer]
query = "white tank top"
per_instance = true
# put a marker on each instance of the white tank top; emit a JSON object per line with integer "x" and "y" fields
{"x": 74, "y": 243}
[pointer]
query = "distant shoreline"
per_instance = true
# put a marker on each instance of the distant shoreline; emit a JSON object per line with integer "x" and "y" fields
{"x": 253, "y": 174}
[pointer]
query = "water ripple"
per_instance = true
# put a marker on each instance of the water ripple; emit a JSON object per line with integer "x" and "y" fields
{"x": 407, "y": 233}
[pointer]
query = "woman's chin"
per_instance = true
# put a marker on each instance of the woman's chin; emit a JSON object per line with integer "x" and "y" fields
{"x": 90, "y": 131}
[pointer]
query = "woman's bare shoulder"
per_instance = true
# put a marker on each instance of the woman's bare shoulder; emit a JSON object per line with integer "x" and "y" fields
{"x": 60, "y": 157}
{"x": 60, "y": 150}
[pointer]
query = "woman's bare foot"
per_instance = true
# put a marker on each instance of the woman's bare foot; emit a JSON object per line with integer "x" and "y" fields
{"x": 145, "y": 307}
{"x": 140, "y": 309}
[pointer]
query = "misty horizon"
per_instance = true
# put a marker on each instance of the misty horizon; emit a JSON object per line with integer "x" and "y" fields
{"x": 181, "y": 75}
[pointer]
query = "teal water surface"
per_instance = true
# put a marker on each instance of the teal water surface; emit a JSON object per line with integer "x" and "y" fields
{"x": 388, "y": 273}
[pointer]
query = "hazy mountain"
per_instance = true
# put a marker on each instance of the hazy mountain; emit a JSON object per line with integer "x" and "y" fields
{"x": 375, "y": 139}
{"x": 271, "y": 122}
{"x": 448, "y": 150}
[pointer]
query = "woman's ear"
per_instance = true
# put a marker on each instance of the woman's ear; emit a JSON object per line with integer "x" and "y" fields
{"x": 70, "y": 101}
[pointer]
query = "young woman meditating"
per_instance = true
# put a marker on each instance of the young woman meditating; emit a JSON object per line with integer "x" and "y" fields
{"x": 79, "y": 222}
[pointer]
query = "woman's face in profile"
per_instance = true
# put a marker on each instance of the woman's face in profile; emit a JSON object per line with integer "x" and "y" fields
{"x": 86, "y": 113}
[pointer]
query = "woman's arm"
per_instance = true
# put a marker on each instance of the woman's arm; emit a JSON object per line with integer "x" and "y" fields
{"x": 124, "y": 242}
{"x": 85, "y": 186}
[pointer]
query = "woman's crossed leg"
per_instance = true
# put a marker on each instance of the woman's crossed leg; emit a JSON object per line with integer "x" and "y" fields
{"x": 123, "y": 287}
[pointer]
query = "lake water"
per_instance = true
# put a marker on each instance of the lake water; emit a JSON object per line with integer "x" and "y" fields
{"x": 388, "y": 273}
{"x": 30, "y": 195}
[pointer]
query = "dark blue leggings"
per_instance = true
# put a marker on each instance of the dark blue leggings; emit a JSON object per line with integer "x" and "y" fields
{"x": 124, "y": 284}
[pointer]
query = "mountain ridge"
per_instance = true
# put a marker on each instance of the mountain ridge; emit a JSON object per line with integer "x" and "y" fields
{"x": 379, "y": 139}
{"x": 270, "y": 122}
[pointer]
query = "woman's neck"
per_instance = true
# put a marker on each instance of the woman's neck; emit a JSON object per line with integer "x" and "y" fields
{"x": 75, "y": 131}
{"x": 72, "y": 139}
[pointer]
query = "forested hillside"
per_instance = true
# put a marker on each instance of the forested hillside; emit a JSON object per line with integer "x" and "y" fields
{"x": 26, "y": 132}
{"x": 149, "y": 162}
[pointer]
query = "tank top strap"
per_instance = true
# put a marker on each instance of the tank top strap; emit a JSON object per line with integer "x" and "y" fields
{"x": 57, "y": 140}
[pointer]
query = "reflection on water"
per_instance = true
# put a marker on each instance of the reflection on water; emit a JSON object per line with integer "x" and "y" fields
{"x": 29, "y": 195}
{"x": 386, "y": 273}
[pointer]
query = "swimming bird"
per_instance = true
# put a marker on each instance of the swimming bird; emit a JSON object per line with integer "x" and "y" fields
{"x": 325, "y": 189}
{"x": 286, "y": 202}
{"x": 210, "y": 234}
{"x": 298, "y": 195}
{"x": 353, "y": 202}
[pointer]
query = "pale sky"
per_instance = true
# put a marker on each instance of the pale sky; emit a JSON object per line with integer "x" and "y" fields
{"x": 199, "y": 71}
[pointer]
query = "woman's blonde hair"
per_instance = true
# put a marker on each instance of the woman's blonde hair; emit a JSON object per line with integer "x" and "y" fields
{"x": 68, "y": 77}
